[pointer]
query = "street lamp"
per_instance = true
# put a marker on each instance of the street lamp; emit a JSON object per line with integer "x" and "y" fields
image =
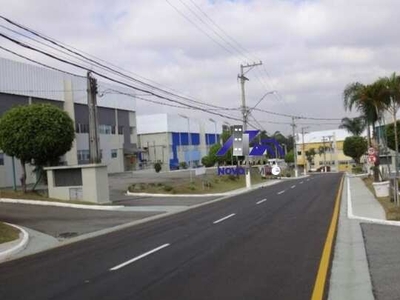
{"x": 304, "y": 159}
{"x": 189, "y": 146}
{"x": 261, "y": 99}
{"x": 215, "y": 129}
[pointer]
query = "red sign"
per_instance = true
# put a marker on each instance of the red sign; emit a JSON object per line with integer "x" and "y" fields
{"x": 371, "y": 159}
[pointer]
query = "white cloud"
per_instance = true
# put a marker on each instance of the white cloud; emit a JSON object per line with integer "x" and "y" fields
{"x": 311, "y": 49}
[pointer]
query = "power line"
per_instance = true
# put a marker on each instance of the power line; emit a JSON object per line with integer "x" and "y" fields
{"x": 294, "y": 116}
{"x": 39, "y": 63}
{"x": 102, "y": 65}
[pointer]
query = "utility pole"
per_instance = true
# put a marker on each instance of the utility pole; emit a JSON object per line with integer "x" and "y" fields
{"x": 294, "y": 148}
{"x": 304, "y": 159}
{"x": 245, "y": 113}
{"x": 324, "y": 149}
{"x": 94, "y": 140}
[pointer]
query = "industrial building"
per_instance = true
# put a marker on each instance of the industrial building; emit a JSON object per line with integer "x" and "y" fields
{"x": 175, "y": 139}
{"x": 25, "y": 84}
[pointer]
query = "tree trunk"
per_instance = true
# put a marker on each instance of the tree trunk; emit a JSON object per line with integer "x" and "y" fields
{"x": 23, "y": 176}
{"x": 369, "y": 134}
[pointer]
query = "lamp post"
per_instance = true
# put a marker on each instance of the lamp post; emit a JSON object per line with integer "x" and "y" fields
{"x": 189, "y": 146}
{"x": 261, "y": 99}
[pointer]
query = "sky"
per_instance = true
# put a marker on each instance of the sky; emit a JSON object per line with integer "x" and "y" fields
{"x": 310, "y": 49}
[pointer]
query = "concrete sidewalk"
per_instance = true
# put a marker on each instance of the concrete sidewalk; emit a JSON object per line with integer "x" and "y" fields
{"x": 351, "y": 275}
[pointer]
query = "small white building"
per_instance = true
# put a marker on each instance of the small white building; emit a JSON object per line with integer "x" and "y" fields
{"x": 174, "y": 139}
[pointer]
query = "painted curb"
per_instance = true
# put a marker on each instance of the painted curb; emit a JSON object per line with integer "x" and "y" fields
{"x": 352, "y": 216}
{"x": 17, "y": 248}
{"x": 59, "y": 204}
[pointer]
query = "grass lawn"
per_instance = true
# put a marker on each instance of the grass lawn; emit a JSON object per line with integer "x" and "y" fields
{"x": 37, "y": 196}
{"x": 208, "y": 184}
{"x": 392, "y": 211}
{"x": 8, "y": 233}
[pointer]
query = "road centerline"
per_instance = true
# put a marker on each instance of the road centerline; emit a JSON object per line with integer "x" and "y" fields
{"x": 138, "y": 257}
{"x": 293, "y": 186}
{"x": 224, "y": 218}
{"x": 261, "y": 201}
{"x": 281, "y": 192}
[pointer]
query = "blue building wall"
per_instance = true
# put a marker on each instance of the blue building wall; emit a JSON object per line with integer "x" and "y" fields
{"x": 182, "y": 139}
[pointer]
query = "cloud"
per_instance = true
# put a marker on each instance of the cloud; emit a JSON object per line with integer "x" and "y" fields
{"x": 310, "y": 49}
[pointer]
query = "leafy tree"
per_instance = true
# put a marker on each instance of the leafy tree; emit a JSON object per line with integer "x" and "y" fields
{"x": 355, "y": 147}
{"x": 310, "y": 155}
{"x": 37, "y": 134}
{"x": 289, "y": 157}
{"x": 390, "y": 135}
{"x": 355, "y": 126}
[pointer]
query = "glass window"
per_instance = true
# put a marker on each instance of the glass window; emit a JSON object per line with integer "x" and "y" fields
{"x": 113, "y": 129}
{"x": 1, "y": 159}
{"x": 105, "y": 129}
{"x": 114, "y": 153}
{"x": 83, "y": 155}
{"x": 120, "y": 130}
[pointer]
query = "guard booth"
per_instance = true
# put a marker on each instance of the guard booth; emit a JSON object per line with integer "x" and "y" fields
{"x": 80, "y": 182}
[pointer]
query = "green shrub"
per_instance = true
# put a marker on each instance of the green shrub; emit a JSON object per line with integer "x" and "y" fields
{"x": 232, "y": 177}
{"x": 183, "y": 165}
{"x": 157, "y": 167}
{"x": 288, "y": 175}
{"x": 168, "y": 188}
{"x": 357, "y": 170}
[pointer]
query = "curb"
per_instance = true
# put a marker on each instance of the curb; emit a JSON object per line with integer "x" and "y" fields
{"x": 17, "y": 248}
{"x": 59, "y": 204}
{"x": 351, "y": 216}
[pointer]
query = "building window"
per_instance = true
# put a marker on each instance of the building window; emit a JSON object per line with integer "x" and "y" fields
{"x": 298, "y": 152}
{"x": 120, "y": 130}
{"x": 83, "y": 155}
{"x": 114, "y": 153}
{"x": 82, "y": 128}
{"x": 1, "y": 159}
{"x": 113, "y": 129}
{"x": 105, "y": 129}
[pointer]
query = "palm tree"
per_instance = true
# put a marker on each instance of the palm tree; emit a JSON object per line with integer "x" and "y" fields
{"x": 367, "y": 99}
{"x": 391, "y": 98}
{"x": 355, "y": 126}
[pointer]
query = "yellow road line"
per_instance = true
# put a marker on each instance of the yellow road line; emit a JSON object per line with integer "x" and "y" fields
{"x": 319, "y": 286}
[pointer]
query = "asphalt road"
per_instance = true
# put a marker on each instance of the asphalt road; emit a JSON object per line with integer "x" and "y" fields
{"x": 266, "y": 244}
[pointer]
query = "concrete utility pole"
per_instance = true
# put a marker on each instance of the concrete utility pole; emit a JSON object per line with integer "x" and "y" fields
{"x": 94, "y": 141}
{"x": 245, "y": 113}
{"x": 294, "y": 148}
{"x": 304, "y": 158}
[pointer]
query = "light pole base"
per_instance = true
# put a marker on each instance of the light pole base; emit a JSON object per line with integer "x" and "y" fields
{"x": 248, "y": 180}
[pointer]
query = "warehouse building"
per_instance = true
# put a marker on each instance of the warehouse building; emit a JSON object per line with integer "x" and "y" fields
{"x": 24, "y": 84}
{"x": 175, "y": 139}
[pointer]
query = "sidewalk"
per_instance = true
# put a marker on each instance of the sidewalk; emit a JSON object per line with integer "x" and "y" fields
{"x": 351, "y": 275}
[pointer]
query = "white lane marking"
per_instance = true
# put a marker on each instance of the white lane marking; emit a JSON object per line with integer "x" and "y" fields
{"x": 301, "y": 182}
{"x": 293, "y": 186}
{"x": 223, "y": 219}
{"x": 138, "y": 257}
{"x": 281, "y": 192}
{"x": 261, "y": 201}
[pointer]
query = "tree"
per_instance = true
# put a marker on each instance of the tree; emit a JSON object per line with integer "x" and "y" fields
{"x": 355, "y": 126}
{"x": 367, "y": 99}
{"x": 355, "y": 147}
{"x": 390, "y": 136}
{"x": 37, "y": 134}
{"x": 310, "y": 155}
{"x": 289, "y": 157}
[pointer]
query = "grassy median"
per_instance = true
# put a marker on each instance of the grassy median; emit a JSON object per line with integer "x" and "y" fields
{"x": 391, "y": 209}
{"x": 8, "y": 233}
{"x": 207, "y": 184}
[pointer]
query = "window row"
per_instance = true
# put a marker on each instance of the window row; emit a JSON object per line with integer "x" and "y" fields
{"x": 103, "y": 129}
{"x": 84, "y": 155}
